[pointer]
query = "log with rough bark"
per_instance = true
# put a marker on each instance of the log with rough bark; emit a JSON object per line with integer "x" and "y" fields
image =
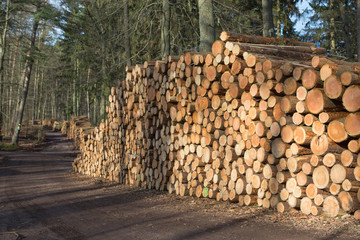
{"x": 238, "y": 37}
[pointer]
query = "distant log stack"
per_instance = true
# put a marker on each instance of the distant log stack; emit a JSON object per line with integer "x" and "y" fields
{"x": 56, "y": 126}
{"x": 65, "y": 127}
{"x": 252, "y": 122}
{"x": 78, "y": 129}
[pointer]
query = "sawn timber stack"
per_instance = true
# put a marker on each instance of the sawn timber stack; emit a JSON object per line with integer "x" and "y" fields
{"x": 252, "y": 122}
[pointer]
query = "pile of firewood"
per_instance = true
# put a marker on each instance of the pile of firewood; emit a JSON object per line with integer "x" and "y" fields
{"x": 253, "y": 122}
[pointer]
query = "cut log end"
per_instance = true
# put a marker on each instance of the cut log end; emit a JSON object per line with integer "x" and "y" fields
{"x": 321, "y": 177}
{"x": 315, "y": 101}
{"x": 351, "y": 98}
{"x": 331, "y": 206}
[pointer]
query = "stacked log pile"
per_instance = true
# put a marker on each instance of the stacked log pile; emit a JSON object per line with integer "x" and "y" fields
{"x": 78, "y": 128}
{"x": 251, "y": 122}
{"x": 48, "y": 123}
{"x": 57, "y": 126}
{"x": 65, "y": 127}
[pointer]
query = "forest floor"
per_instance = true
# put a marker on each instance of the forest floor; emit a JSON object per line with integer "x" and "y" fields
{"x": 41, "y": 198}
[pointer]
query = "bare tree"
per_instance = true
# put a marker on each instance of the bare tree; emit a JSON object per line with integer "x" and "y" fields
{"x": 206, "y": 25}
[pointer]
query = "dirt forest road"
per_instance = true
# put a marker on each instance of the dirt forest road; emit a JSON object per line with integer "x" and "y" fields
{"x": 41, "y": 199}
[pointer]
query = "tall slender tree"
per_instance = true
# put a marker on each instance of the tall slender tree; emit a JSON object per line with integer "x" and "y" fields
{"x": 345, "y": 29}
{"x": 268, "y": 24}
{"x": 127, "y": 33}
{"x": 165, "y": 29}
{"x": 332, "y": 29}
{"x": 2, "y": 58}
{"x": 206, "y": 25}
{"x": 358, "y": 29}
{"x": 27, "y": 74}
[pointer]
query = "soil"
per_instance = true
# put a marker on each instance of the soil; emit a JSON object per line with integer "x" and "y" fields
{"x": 41, "y": 198}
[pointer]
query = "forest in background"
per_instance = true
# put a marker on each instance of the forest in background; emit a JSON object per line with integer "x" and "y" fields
{"x": 69, "y": 53}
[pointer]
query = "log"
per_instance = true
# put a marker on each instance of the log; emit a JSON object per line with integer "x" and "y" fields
{"x": 319, "y": 145}
{"x": 333, "y": 87}
{"x": 325, "y": 117}
{"x": 311, "y": 191}
{"x": 302, "y": 49}
{"x": 354, "y": 146}
{"x": 273, "y": 51}
{"x": 293, "y": 201}
{"x": 316, "y": 101}
{"x": 349, "y": 77}
{"x": 294, "y": 164}
{"x": 301, "y": 93}
{"x": 319, "y": 199}
{"x": 310, "y": 78}
{"x": 278, "y": 148}
{"x": 282, "y": 207}
{"x": 291, "y": 184}
{"x": 305, "y": 205}
{"x": 237, "y": 37}
{"x": 351, "y": 98}
{"x": 287, "y": 133}
{"x": 303, "y": 135}
{"x": 348, "y": 158}
{"x": 217, "y": 47}
{"x": 352, "y": 124}
{"x": 348, "y": 201}
{"x": 288, "y": 104}
{"x": 331, "y": 206}
{"x": 338, "y": 173}
{"x": 321, "y": 177}
{"x": 318, "y": 128}
{"x": 336, "y": 131}
{"x": 330, "y": 159}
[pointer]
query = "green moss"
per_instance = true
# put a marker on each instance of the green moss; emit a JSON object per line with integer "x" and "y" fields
{"x": 8, "y": 147}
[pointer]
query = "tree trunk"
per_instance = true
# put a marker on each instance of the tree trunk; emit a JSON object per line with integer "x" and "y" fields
{"x": 332, "y": 30}
{"x": 74, "y": 89}
{"x": 103, "y": 85}
{"x": 43, "y": 113}
{"x": 12, "y": 81}
{"x": 165, "y": 30}
{"x": 54, "y": 100}
{"x": 102, "y": 103}
{"x": 87, "y": 95}
{"x": 345, "y": 30}
{"x": 78, "y": 92}
{"x": 26, "y": 76}
{"x": 278, "y": 21}
{"x": 268, "y": 25}
{"x": 2, "y": 58}
{"x": 206, "y": 25}
{"x": 35, "y": 94}
{"x": 40, "y": 96}
{"x": 127, "y": 35}
{"x": 358, "y": 29}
